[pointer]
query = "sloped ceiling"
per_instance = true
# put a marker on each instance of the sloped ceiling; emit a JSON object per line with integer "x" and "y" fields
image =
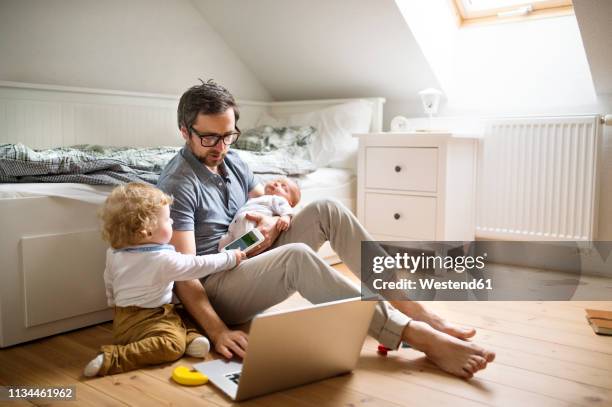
{"x": 322, "y": 48}
{"x": 595, "y": 22}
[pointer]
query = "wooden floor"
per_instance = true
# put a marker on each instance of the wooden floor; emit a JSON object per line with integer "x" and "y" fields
{"x": 547, "y": 355}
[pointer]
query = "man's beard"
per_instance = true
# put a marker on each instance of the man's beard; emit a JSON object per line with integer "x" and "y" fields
{"x": 210, "y": 159}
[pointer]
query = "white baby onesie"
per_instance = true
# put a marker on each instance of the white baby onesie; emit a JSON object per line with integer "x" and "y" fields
{"x": 269, "y": 205}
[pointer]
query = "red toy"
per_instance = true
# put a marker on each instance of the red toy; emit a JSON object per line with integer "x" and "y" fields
{"x": 382, "y": 350}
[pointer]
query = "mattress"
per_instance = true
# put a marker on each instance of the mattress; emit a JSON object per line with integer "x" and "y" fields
{"x": 95, "y": 194}
{"x": 323, "y": 183}
{"x": 337, "y": 183}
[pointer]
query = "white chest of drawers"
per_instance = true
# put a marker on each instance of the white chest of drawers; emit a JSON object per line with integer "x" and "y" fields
{"x": 415, "y": 186}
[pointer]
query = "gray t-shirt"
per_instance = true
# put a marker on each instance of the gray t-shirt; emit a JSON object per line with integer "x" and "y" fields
{"x": 203, "y": 201}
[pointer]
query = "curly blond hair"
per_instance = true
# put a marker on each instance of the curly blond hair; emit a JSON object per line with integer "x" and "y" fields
{"x": 130, "y": 213}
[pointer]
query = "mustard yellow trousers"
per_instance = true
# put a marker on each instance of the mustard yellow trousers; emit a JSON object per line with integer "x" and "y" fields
{"x": 147, "y": 336}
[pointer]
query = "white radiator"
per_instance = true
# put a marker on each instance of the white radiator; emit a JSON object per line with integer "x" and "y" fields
{"x": 538, "y": 179}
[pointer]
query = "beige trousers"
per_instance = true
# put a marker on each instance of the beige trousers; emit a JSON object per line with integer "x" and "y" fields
{"x": 293, "y": 265}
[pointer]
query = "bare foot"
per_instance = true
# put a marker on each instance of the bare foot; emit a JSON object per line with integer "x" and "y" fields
{"x": 450, "y": 354}
{"x": 417, "y": 312}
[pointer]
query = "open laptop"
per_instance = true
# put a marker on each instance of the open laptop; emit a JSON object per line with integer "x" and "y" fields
{"x": 291, "y": 348}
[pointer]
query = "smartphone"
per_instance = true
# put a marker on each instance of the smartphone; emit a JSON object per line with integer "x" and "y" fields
{"x": 246, "y": 242}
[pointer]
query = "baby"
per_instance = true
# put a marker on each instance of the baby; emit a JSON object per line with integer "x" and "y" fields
{"x": 140, "y": 270}
{"x": 281, "y": 196}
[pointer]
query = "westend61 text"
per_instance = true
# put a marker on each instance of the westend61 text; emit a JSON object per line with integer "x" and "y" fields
{"x": 432, "y": 284}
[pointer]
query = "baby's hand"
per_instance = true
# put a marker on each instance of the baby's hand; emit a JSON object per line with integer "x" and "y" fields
{"x": 283, "y": 223}
{"x": 240, "y": 255}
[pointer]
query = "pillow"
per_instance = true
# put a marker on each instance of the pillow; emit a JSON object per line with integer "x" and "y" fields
{"x": 252, "y": 139}
{"x": 276, "y": 162}
{"x": 288, "y": 137}
{"x": 333, "y": 144}
{"x": 293, "y": 140}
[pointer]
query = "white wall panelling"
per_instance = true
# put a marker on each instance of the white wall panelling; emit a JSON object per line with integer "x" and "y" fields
{"x": 43, "y": 116}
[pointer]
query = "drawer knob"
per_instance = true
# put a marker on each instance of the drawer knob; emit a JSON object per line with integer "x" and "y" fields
{"x": 398, "y": 168}
{"x": 396, "y": 216}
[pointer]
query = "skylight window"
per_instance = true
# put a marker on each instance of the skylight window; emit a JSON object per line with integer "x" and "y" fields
{"x": 492, "y": 11}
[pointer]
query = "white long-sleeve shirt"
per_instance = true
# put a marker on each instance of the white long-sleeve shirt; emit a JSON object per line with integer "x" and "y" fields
{"x": 144, "y": 275}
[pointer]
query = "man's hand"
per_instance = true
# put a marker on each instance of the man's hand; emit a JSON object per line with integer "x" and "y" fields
{"x": 229, "y": 343}
{"x": 283, "y": 223}
{"x": 267, "y": 227}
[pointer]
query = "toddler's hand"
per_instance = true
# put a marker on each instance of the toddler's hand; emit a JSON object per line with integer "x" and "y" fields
{"x": 240, "y": 255}
{"x": 283, "y": 223}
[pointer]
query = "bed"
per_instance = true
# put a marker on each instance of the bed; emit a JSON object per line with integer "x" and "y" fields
{"x": 50, "y": 245}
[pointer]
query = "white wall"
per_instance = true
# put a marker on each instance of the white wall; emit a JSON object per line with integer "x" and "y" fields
{"x": 313, "y": 49}
{"x": 529, "y": 67}
{"x": 605, "y": 189}
{"x": 537, "y": 65}
{"x": 154, "y": 46}
{"x": 595, "y": 19}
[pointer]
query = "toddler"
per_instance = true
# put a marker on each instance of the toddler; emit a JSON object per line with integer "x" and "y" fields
{"x": 281, "y": 196}
{"x": 140, "y": 270}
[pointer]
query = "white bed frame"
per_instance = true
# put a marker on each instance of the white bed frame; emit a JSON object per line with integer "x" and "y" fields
{"x": 52, "y": 256}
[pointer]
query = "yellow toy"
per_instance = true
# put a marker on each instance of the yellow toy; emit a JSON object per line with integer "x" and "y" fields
{"x": 187, "y": 377}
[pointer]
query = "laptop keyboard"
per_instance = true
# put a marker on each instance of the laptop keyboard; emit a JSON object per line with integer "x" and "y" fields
{"x": 235, "y": 377}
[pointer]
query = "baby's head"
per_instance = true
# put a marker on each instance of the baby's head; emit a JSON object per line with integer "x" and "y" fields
{"x": 284, "y": 187}
{"x": 135, "y": 214}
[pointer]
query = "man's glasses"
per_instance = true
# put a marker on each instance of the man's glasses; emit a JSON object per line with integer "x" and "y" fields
{"x": 211, "y": 139}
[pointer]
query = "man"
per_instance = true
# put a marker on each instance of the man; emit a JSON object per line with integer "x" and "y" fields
{"x": 209, "y": 183}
